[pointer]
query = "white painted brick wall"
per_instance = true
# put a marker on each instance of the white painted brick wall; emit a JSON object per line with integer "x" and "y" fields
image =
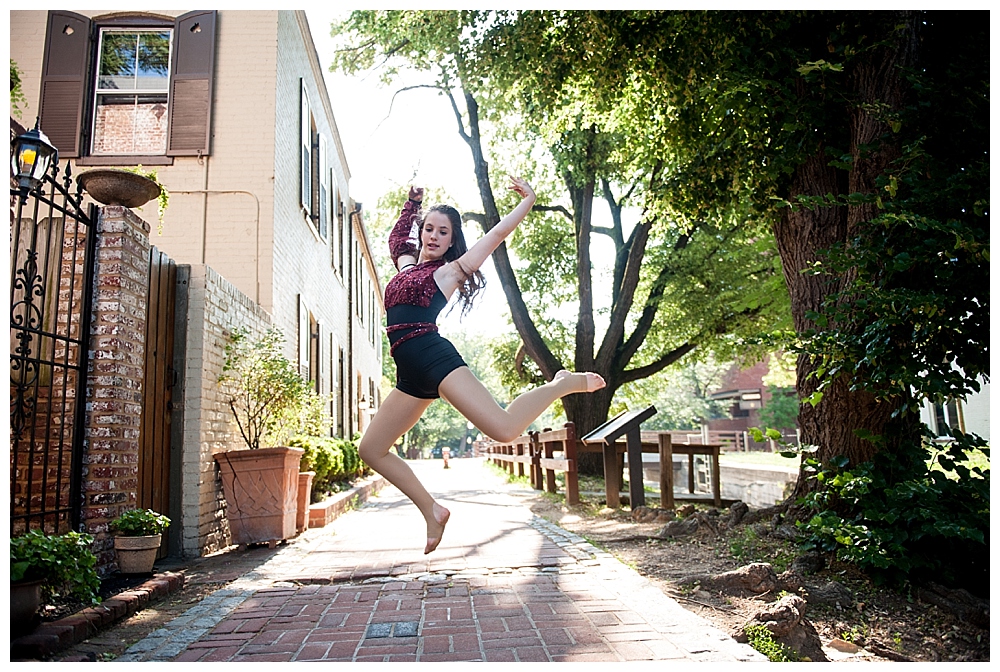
{"x": 215, "y": 308}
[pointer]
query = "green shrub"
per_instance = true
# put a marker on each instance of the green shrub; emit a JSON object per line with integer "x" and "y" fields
{"x": 353, "y": 467}
{"x": 63, "y": 562}
{"x": 320, "y": 455}
{"x": 335, "y": 461}
{"x": 920, "y": 514}
{"x": 264, "y": 390}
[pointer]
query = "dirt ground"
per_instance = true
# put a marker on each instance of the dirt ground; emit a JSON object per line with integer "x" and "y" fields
{"x": 877, "y": 625}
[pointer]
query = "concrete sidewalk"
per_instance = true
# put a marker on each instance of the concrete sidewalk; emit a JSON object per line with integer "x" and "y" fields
{"x": 503, "y": 585}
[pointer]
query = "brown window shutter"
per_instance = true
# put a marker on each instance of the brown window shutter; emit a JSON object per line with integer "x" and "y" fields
{"x": 64, "y": 80}
{"x": 192, "y": 65}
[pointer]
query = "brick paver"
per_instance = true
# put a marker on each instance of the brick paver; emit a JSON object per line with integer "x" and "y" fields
{"x": 503, "y": 586}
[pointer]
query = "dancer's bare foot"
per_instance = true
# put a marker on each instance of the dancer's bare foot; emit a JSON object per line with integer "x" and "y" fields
{"x": 589, "y": 382}
{"x": 436, "y": 531}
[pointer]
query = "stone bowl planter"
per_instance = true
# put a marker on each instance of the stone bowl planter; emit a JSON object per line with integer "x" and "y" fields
{"x": 118, "y": 187}
{"x": 137, "y": 555}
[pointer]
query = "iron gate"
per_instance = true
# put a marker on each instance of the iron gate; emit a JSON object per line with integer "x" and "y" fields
{"x": 52, "y": 242}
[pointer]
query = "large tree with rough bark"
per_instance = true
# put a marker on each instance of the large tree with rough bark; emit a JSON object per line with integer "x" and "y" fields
{"x": 862, "y": 137}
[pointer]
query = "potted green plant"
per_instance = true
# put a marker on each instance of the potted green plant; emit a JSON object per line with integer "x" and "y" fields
{"x": 267, "y": 396}
{"x": 138, "y": 535}
{"x": 43, "y": 566}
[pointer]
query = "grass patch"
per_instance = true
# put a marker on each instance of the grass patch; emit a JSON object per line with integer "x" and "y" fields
{"x": 762, "y": 640}
{"x": 506, "y": 475}
{"x": 747, "y": 545}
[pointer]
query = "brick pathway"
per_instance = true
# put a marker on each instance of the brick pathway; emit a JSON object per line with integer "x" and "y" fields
{"x": 503, "y": 586}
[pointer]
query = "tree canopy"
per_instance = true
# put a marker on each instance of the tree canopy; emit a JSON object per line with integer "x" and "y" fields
{"x": 673, "y": 283}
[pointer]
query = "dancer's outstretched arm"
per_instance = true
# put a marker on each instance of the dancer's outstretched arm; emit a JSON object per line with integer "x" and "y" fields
{"x": 450, "y": 276}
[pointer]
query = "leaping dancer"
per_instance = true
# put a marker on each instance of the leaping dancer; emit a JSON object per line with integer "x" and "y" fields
{"x": 430, "y": 269}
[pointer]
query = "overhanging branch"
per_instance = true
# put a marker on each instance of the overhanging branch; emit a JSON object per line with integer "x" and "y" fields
{"x": 663, "y": 362}
{"x": 553, "y": 208}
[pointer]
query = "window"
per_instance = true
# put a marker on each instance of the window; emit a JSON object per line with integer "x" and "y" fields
{"x": 128, "y": 89}
{"x": 947, "y": 417}
{"x": 130, "y": 103}
{"x": 308, "y": 342}
{"x": 305, "y": 151}
{"x": 324, "y": 189}
{"x": 358, "y": 307}
{"x": 315, "y": 169}
{"x": 340, "y": 391}
{"x": 342, "y": 235}
{"x": 337, "y": 222}
{"x": 336, "y": 377}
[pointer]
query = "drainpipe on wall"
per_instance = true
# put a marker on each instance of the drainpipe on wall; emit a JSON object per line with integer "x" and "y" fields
{"x": 352, "y": 404}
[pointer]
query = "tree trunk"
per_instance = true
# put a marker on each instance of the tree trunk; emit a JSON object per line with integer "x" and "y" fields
{"x": 586, "y": 412}
{"x": 801, "y": 234}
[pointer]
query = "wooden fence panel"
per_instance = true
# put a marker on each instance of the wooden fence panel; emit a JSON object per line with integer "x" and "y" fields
{"x": 154, "y": 431}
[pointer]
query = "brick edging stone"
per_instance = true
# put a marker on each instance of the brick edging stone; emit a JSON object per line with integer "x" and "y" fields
{"x": 54, "y": 636}
{"x": 325, "y": 512}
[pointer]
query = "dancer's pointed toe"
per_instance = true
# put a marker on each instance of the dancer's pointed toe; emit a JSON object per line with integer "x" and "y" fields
{"x": 441, "y": 516}
{"x": 594, "y": 382}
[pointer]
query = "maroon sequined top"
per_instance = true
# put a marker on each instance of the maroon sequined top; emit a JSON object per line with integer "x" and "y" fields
{"x": 410, "y": 294}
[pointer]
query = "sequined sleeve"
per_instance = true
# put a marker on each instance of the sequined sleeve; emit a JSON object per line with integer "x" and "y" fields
{"x": 401, "y": 239}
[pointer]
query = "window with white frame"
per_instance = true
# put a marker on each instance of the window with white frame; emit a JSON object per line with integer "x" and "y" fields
{"x": 947, "y": 417}
{"x": 315, "y": 172}
{"x": 130, "y": 99}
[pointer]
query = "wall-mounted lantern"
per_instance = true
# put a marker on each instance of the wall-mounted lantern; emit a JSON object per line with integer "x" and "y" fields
{"x": 30, "y": 158}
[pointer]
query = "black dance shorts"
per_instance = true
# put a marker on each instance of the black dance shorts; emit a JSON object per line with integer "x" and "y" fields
{"x": 423, "y": 362}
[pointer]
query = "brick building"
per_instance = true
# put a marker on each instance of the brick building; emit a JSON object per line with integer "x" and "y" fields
{"x": 231, "y": 109}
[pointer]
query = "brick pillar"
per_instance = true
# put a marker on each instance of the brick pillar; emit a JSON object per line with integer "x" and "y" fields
{"x": 115, "y": 375}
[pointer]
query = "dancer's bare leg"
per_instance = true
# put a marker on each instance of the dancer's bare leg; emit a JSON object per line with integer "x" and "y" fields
{"x": 467, "y": 394}
{"x": 397, "y": 414}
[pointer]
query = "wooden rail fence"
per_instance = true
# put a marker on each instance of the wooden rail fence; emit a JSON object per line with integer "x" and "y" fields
{"x": 543, "y": 454}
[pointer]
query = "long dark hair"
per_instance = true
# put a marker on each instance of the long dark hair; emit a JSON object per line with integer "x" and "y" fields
{"x": 475, "y": 280}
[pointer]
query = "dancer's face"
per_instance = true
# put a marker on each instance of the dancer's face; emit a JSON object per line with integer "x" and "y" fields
{"x": 435, "y": 235}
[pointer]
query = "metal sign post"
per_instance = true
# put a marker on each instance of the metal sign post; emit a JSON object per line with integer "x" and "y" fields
{"x": 627, "y": 424}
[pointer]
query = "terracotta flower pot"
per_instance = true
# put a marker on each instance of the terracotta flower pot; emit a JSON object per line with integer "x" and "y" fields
{"x": 304, "y": 499}
{"x": 25, "y": 598}
{"x": 261, "y": 488}
{"x": 118, "y": 187}
{"x": 137, "y": 555}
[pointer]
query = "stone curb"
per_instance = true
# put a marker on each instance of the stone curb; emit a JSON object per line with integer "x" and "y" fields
{"x": 54, "y": 636}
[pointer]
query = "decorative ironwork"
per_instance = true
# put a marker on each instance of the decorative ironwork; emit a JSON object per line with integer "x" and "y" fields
{"x": 52, "y": 263}
{"x": 25, "y": 320}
